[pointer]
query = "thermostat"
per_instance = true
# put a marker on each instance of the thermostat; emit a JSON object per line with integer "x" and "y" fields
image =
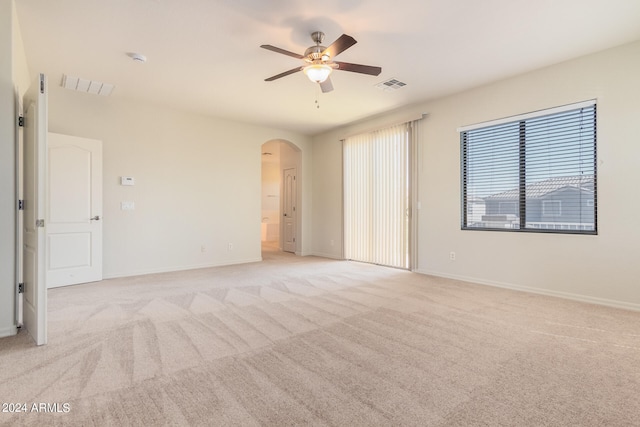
{"x": 127, "y": 180}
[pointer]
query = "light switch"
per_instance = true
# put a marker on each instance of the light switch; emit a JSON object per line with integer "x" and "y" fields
{"x": 127, "y": 206}
{"x": 127, "y": 180}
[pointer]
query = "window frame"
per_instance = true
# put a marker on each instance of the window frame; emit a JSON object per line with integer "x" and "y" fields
{"x": 521, "y": 203}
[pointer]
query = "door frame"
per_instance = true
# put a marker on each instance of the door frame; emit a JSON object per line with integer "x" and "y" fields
{"x": 20, "y": 205}
{"x": 290, "y": 155}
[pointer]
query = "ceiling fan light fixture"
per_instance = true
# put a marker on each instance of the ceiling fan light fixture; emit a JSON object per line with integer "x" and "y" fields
{"x": 317, "y": 73}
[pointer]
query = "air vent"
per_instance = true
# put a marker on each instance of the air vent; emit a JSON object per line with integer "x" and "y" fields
{"x": 391, "y": 84}
{"x": 86, "y": 86}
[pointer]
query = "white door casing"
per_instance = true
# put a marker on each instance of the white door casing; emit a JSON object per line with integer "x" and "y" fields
{"x": 35, "y": 166}
{"x": 20, "y": 213}
{"x": 74, "y": 210}
{"x": 289, "y": 210}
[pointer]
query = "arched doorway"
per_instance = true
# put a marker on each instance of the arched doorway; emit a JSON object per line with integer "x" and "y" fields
{"x": 281, "y": 193}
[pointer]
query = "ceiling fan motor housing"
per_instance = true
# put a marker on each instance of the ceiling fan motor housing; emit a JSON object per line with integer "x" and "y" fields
{"x": 314, "y": 53}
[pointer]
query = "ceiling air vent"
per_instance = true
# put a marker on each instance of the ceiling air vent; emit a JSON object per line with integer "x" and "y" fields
{"x": 391, "y": 84}
{"x": 86, "y": 86}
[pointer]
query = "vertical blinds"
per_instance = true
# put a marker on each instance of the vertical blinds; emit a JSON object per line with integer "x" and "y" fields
{"x": 537, "y": 173}
{"x": 376, "y": 196}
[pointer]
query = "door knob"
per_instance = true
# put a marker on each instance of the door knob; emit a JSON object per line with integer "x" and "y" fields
{"x": 95, "y": 218}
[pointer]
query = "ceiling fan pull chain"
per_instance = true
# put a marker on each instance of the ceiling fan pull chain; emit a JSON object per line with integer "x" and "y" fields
{"x": 318, "y": 97}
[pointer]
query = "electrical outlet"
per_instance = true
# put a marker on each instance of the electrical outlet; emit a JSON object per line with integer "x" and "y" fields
{"x": 452, "y": 256}
{"x": 230, "y": 247}
{"x": 203, "y": 248}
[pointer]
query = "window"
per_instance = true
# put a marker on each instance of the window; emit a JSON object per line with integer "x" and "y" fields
{"x": 508, "y": 208}
{"x": 552, "y": 208}
{"x": 535, "y": 172}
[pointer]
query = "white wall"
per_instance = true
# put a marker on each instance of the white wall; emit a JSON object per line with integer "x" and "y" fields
{"x": 327, "y": 196}
{"x": 197, "y": 182}
{"x": 21, "y": 76}
{"x": 7, "y": 174}
{"x": 14, "y": 76}
{"x": 602, "y": 268}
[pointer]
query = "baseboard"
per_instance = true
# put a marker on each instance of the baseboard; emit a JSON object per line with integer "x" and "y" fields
{"x": 8, "y": 331}
{"x": 325, "y": 255}
{"x": 566, "y": 295}
{"x": 178, "y": 268}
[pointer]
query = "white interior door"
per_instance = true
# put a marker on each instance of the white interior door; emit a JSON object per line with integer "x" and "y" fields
{"x": 34, "y": 250}
{"x": 289, "y": 210}
{"x": 74, "y": 210}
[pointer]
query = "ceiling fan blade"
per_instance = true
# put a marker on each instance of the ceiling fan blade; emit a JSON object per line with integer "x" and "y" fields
{"x": 286, "y": 73}
{"x": 326, "y": 85}
{"x": 357, "y": 68}
{"x": 343, "y": 43}
{"x": 282, "y": 51}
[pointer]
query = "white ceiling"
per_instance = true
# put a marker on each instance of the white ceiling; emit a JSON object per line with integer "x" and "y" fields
{"x": 204, "y": 55}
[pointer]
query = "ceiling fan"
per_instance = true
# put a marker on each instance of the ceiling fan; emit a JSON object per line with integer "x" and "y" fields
{"x": 319, "y": 61}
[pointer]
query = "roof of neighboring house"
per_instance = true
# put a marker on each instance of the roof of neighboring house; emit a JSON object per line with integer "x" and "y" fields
{"x": 541, "y": 189}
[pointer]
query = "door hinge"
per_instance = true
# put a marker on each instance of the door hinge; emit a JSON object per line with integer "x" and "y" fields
{"x": 21, "y": 121}
{"x": 39, "y": 222}
{"x": 21, "y": 288}
{"x": 294, "y": 240}
{"x": 294, "y": 208}
{"x": 20, "y": 205}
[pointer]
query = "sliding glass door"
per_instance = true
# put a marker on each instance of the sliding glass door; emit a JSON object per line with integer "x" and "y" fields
{"x": 377, "y": 196}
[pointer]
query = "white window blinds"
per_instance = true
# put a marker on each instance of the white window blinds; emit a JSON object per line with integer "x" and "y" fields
{"x": 377, "y": 196}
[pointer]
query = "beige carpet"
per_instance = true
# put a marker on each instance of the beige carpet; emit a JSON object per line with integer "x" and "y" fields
{"x": 310, "y": 341}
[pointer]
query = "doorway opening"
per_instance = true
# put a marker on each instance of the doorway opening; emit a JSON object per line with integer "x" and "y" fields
{"x": 280, "y": 196}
